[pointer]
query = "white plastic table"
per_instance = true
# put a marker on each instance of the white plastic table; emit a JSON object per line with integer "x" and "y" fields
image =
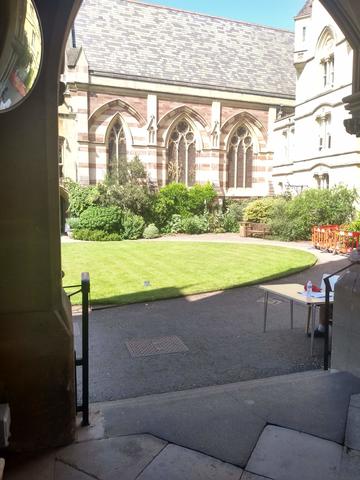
{"x": 290, "y": 291}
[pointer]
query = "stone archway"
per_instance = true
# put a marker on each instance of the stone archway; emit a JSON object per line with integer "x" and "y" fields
{"x": 36, "y": 339}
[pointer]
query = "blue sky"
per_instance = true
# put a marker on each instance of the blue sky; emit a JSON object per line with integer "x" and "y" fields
{"x": 275, "y": 13}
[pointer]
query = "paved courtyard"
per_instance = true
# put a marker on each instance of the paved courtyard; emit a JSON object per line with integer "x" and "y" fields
{"x": 218, "y": 337}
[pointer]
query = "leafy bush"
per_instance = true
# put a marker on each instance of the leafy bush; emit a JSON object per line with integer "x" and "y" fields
{"x": 95, "y": 235}
{"x": 107, "y": 219}
{"x": 73, "y": 222}
{"x": 80, "y": 197}
{"x": 355, "y": 225}
{"x": 260, "y": 210}
{"x": 132, "y": 226}
{"x": 195, "y": 224}
{"x": 171, "y": 200}
{"x": 175, "y": 225}
{"x": 293, "y": 219}
{"x": 234, "y": 214}
{"x": 151, "y": 231}
{"x": 177, "y": 199}
{"x": 216, "y": 222}
{"x": 201, "y": 198}
{"x": 135, "y": 198}
{"x": 127, "y": 172}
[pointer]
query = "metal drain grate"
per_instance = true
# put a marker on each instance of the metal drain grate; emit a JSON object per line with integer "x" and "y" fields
{"x": 155, "y": 346}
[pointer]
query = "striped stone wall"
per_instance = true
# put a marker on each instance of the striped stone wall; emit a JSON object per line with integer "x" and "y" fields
{"x": 148, "y": 120}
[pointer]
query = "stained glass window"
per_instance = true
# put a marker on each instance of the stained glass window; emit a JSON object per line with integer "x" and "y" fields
{"x": 182, "y": 155}
{"x": 117, "y": 147}
{"x": 240, "y": 159}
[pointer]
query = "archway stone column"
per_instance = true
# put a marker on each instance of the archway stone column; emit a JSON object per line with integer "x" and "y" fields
{"x": 346, "y": 13}
{"x": 36, "y": 338}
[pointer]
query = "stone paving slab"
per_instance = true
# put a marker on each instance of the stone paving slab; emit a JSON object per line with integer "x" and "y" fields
{"x": 252, "y": 476}
{"x": 65, "y": 472}
{"x": 352, "y": 435}
{"x": 113, "y": 458}
{"x": 350, "y": 466}
{"x": 355, "y": 401}
{"x": 177, "y": 463}
{"x": 284, "y": 454}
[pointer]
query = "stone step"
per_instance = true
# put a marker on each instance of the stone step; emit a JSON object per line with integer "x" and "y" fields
{"x": 284, "y": 454}
{"x": 226, "y": 421}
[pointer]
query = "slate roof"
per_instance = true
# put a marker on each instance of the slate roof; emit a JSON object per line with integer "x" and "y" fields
{"x": 132, "y": 39}
{"x": 306, "y": 10}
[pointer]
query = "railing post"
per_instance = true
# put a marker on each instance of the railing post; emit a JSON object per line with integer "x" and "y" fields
{"x": 85, "y": 288}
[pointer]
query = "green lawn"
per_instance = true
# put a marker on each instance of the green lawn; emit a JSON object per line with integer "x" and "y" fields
{"x": 118, "y": 270}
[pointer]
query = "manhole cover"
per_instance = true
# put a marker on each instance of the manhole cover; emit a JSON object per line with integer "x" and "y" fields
{"x": 271, "y": 301}
{"x": 155, "y": 346}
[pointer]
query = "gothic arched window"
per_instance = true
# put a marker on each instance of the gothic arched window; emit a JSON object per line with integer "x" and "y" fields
{"x": 326, "y": 48}
{"x": 240, "y": 159}
{"x": 117, "y": 147}
{"x": 182, "y": 154}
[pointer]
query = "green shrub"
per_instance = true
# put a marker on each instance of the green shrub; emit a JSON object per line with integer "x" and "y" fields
{"x": 201, "y": 198}
{"x": 127, "y": 172}
{"x": 216, "y": 222}
{"x": 171, "y": 200}
{"x": 234, "y": 214}
{"x": 73, "y": 222}
{"x": 195, "y": 224}
{"x": 260, "y": 210}
{"x": 132, "y": 226}
{"x": 280, "y": 225}
{"x": 175, "y": 225}
{"x": 151, "y": 231}
{"x": 133, "y": 197}
{"x": 355, "y": 225}
{"x": 95, "y": 235}
{"x": 107, "y": 219}
{"x": 81, "y": 197}
{"x": 293, "y": 219}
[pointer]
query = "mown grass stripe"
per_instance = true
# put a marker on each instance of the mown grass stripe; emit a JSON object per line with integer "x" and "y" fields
{"x": 118, "y": 270}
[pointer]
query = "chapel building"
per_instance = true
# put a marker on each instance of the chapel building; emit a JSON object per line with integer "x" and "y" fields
{"x": 195, "y": 97}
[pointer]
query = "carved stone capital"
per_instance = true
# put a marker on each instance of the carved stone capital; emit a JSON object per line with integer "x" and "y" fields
{"x": 352, "y": 104}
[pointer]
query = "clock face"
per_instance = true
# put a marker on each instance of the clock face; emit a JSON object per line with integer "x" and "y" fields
{"x": 20, "y": 51}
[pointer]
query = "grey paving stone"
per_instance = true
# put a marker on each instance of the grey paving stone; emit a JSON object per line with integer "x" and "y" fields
{"x": 352, "y": 435}
{"x": 177, "y": 463}
{"x": 350, "y": 467}
{"x": 284, "y": 454}
{"x": 355, "y": 401}
{"x": 113, "y": 458}
{"x": 65, "y": 472}
{"x": 252, "y": 476}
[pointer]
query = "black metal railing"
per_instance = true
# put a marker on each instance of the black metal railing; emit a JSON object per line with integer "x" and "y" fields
{"x": 83, "y": 362}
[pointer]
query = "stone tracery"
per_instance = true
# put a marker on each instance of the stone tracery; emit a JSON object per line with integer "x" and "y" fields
{"x": 240, "y": 159}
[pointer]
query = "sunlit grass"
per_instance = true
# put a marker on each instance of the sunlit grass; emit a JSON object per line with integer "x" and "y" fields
{"x": 119, "y": 270}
